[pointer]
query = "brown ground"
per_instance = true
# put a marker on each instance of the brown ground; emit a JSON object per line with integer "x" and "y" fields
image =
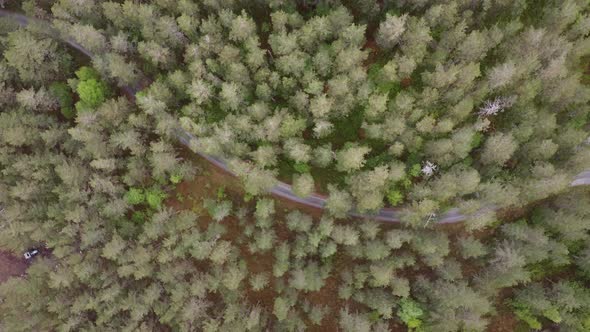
{"x": 10, "y": 266}
{"x": 371, "y": 46}
{"x": 504, "y": 321}
{"x": 207, "y": 184}
{"x": 211, "y": 179}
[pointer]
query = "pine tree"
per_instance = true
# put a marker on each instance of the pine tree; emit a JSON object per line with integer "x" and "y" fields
{"x": 351, "y": 158}
{"x": 498, "y": 149}
{"x": 35, "y": 60}
{"x": 391, "y": 30}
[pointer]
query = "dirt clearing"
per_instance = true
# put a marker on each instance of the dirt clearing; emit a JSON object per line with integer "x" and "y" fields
{"x": 11, "y": 266}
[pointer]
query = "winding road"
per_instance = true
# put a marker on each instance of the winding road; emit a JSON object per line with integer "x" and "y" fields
{"x": 282, "y": 190}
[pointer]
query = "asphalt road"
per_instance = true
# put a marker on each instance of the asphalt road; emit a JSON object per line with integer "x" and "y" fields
{"x": 282, "y": 190}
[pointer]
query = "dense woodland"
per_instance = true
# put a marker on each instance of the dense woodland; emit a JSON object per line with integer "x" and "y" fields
{"x": 423, "y": 105}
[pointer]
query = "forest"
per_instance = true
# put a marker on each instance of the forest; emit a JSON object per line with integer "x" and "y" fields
{"x": 295, "y": 165}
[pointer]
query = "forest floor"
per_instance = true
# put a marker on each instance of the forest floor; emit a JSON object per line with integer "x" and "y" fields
{"x": 504, "y": 321}
{"x": 11, "y": 266}
{"x": 206, "y": 184}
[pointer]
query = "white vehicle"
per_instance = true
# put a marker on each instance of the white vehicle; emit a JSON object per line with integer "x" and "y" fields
{"x": 31, "y": 253}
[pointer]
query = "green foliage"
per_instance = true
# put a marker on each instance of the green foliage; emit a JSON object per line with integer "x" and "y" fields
{"x": 215, "y": 114}
{"x": 135, "y": 196}
{"x": 86, "y": 73}
{"x": 414, "y": 170}
{"x": 176, "y": 178}
{"x": 292, "y": 126}
{"x": 280, "y": 309}
{"x": 526, "y": 316}
{"x": 91, "y": 92}
{"x": 391, "y": 87}
{"x": 346, "y": 129}
{"x": 301, "y": 168}
{"x": 553, "y": 315}
{"x": 477, "y": 140}
{"x": 259, "y": 281}
{"x": 377, "y": 160}
{"x": 411, "y": 314}
{"x": 394, "y": 197}
{"x": 154, "y": 197}
{"x": 219, "y": 209}
{"x": 64, "y": 96}
{"x": 221, "y": 195}
{"x": 563, "y": 302}
{"x": 139, "y": 217}
{"x": 544, "y": 268}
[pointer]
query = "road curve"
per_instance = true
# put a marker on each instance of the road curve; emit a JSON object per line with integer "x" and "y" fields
{"x": 282, "y": 190}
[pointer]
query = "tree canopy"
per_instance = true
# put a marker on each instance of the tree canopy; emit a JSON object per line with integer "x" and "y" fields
{"x": 477, "y": 108}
